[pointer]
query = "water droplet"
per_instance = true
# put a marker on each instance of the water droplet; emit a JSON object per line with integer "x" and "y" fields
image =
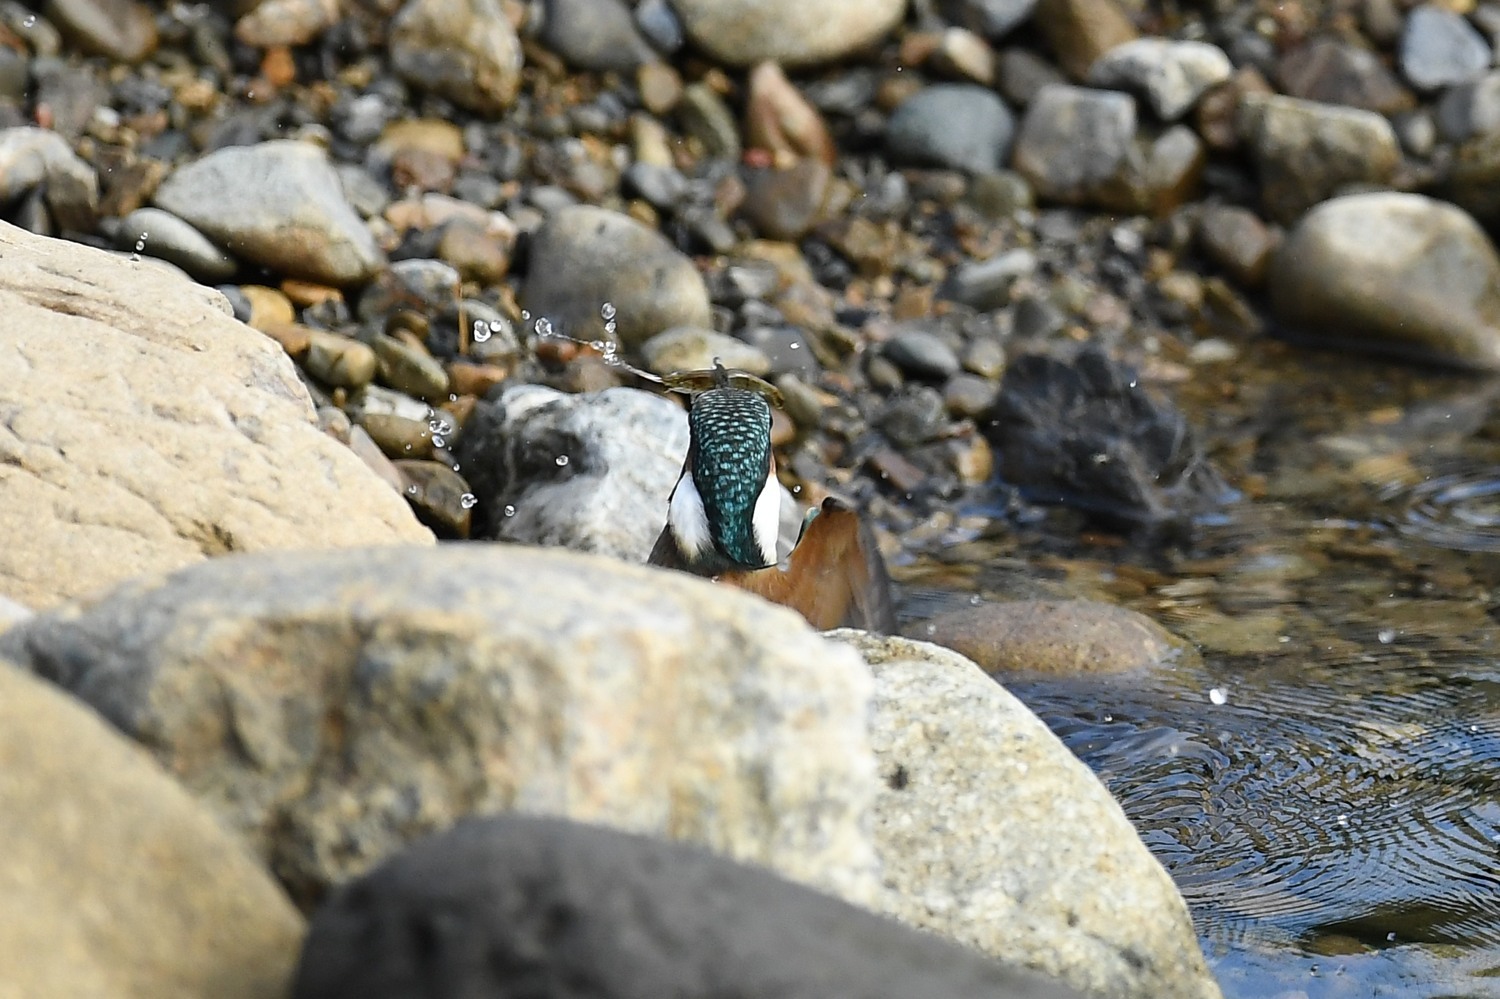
{"x": 29, "y": 22}
{"x": 509, "y": 511}
{"x": 140, "y": 244}
{"x": 1108, "y": 718}
{"x": 411, "y": 490}
{"x": 543, "y": 327}
{"x": 1218, "y": 695}
{"x": 974, "y": 600}
{"x": 931, "y": 629}
{"x": 438, "y": 440}
{"x": 562, "y": 460}
{"x": 1343, "y": 821}
{"x": 481, "y": 331}
{"x": 1386, "y": 636}
{"x": 1390, "y": 937}
{"x": 607, "y": 311}
{"x": 467, "y": 501}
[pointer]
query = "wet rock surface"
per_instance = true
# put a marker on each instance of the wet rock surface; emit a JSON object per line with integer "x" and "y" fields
{"x": 1063, "y": 637}
{"x": 1057, "y": 428}
{"x": 546, "y": 907}
{"x": 587, "y": 472}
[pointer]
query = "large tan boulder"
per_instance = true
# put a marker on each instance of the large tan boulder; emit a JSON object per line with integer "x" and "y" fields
{"x": 992, "y": 833}
{"x": 335, "y": 706}
{"x": 143, "y": 429}
{"x": 114, "y": 883}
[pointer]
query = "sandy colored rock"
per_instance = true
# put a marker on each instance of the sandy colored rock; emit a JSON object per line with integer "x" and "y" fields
{"x": 277, "y": 204}
{"x": 334, "y": 706}
{"x": 789, "y": 32}
{"x": 114, "y": 883}
{"x": 1065, "y": 637}
{"x": 1394, "y": 273}
{"x": 465, "y": 50}
{"x": 992, "y": 833}
{"x": 145, "y": 429}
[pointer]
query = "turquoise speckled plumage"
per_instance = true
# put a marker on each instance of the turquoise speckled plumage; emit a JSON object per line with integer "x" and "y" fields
{"x": 731, "y": 433}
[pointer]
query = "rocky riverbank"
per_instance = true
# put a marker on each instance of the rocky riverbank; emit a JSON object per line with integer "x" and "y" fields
{"x": 965, "y": 239}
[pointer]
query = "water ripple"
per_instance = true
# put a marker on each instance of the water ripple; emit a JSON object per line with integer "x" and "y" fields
{"x": 1459, "y": 509}
{"x": 1293, "y": 812}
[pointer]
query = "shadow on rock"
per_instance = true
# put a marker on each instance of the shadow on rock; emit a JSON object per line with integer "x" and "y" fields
{"x": 522, "y": 906}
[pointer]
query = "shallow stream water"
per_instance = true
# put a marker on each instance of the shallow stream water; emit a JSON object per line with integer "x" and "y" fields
{"x": 1325, "y": 786}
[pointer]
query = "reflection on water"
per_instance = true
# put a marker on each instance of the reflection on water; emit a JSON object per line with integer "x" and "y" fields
{"x": 1325, "y": 787}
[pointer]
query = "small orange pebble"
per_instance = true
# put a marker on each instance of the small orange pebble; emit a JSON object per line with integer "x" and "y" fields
{"x": 278, "y": 67}
{"x": 294, "y": 338}
{"x": 475, "y": 379}
{"x": 556, "y": 351}
{"x": 783, "y": 430}
{"x": 460, "y": 409}
{"x": 305, "y": 293}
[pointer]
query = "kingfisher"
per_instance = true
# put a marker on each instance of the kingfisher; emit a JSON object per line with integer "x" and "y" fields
{"x": 724, "y": 514}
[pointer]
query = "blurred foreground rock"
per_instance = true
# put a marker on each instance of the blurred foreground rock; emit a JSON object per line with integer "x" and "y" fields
{"x": 333, "y": 707}
{"x": 336, "y": 706}
{"x": 496, "y": 906}
{"x": 114, "y": 882}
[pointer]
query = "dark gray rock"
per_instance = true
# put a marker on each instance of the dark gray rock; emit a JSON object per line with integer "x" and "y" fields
{"x": 584, "y": 259}
{"x": 986, "y": 284}
{"x": 1339, "y": 73}
{"x": 596, "y": 35}
{"x": 1020, "y": 74}
{"x": 958, "y": 126}
{"x": 538, "y": 907}
{"x": 991, "y": 18}
{"x": 659, "y": 24}
{"x": 165, "y": 236}
{"x": 1439, "y": 48}
{"x": 1081, "y": 431}
{"x": 921, "y": 354}
{"x": 1074, "y": 141}
{"x": 1470, "y": 109}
